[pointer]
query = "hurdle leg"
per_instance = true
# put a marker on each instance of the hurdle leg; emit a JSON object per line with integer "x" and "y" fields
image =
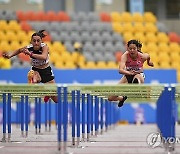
{"x": 78, "y": 118}
{"x": 59, "y": 122}
{"x": 22, "y": 116}
{"x": 83, "y": 117}
{"x": 9, "y": 117}
{"x": 88, "y": 116}
{"x": 4, "y": 118}
{"x": 73, "y": 117}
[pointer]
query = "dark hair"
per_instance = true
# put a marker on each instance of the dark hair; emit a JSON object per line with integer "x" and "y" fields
{"x": 139, "y": 44}
{"x": 40, "y": 34}
{"x": 133, "y": 42}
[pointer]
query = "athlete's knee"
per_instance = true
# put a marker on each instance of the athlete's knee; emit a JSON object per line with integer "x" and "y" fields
{"x": 30, "y": 76}
{"x": 136, "y": 80}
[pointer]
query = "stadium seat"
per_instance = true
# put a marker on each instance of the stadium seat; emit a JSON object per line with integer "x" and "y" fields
{"x": 139, "y": 27}
{"x": 128, "y": 36}
{"x": 25, "y": 26}
{"x": 105, "y": 17}
{"x": 11, "y": 36}
{"x": 128, "y": 27}
{"x": 91, "y": 65}
{"x": 4, "y": 46}
{"x": 3, "y": 25}
{"x": 137, "y": 17}
{"x": 162, "y": 37}
{"x": 118, "y": 56}
{"x": 152, "y": 47}
{"x": 126, "y": 17}
{"x": 117, "y": 27}
{"x": 140, "y": 36}
{"x": 151, "y": 37}
{"x": 174, "y": 47}
{"x": 101, "y": 65}
{"x": 150, "y": 27}
{"x": 173, "y": 37}
{"x": 163, "y": 47}
{"x": 14, "y": 45}
{"x": 23, "y": 57}
{"x": 63, "y": 16}
{"x": 116, "y": 17}
{"x": 112, "y": 65}
{"x": 149, "y": 17}
{"x": 14, "y": 26}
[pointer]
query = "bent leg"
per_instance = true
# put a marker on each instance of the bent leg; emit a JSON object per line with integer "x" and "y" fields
{"x": 54, "y": 98}
{"x": 138, "y": 78}
{"x": 30, "y": 76}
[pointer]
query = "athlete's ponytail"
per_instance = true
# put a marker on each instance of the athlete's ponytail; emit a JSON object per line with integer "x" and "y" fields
{"x": 40, "y": 34}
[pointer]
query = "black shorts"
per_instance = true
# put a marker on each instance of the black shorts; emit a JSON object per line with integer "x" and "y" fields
{"x": 131, "y": 77}
{"x": 46, "y": 74}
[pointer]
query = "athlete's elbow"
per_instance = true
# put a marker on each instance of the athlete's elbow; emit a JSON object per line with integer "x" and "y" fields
{"x": 120, "y": 71}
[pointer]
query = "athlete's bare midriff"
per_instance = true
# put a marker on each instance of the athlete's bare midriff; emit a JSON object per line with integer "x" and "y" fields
{"x": 42, "y": 66}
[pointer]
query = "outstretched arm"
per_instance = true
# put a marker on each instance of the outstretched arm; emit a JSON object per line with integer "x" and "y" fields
{"x": 149, "y": 62}
{"x": 16, "y": 52}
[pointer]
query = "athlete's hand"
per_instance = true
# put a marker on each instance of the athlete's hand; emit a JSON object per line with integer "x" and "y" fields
{"x": 26, "y": 51}
{"x": 6, "y": 55}
{"x": 151, "y": 64}
{"x": 133, "y": 72}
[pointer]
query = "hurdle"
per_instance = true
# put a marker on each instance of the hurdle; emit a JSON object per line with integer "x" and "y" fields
{"x": 79, "y": 95}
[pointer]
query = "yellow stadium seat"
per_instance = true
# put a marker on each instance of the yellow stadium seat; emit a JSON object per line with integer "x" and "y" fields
{"x": 58, "y": 64}
{"x": 144, "y": 48}
{"x": 150, "y": 27}
{"x": 149, "y": 17}
{"x": 112, "y": 65}
{"x": 164, "y": 64}
{"x": 139, "y": 27}
{"x": 55, "y": 57}
{"x": 90, "y": 65}
{"x": 14, "y": 45}
{"x": 118, "y": 27}
{"x": 4, "y": 46}
{"x": 164, "y": 56}
{"x": 140, "y": 36}
{"x": 14, "y": 26}
{"x": 58, "y": 47}
{"x": 22, "y": 36}
{"x": 5, "y": 63}
{"x": 163, "y": 48}
{"x": 137, "y": 17}
{"x": 69, "y": 65}
{"x": 3, "y": 25}
{"x": 151, "y": 37}
{"x": 162, "y": 37}
{"x": 126, "y": 17}
{"x": 24, "y": 43}
{"x": 101, "y": 65}
{"x": 128, "y": 36}
{"x": 174, "y": 47}
{"x": 175, "y": 64}
{"x": 30, "y": 33}
{"x": 11, "y": 36}
{"x": 2, "y": 36}
{"x": 152, "y": 47}
{"x": 82, "y": 64}
{"x": 116, "y": 17}
{"x": 128, "y": 27}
